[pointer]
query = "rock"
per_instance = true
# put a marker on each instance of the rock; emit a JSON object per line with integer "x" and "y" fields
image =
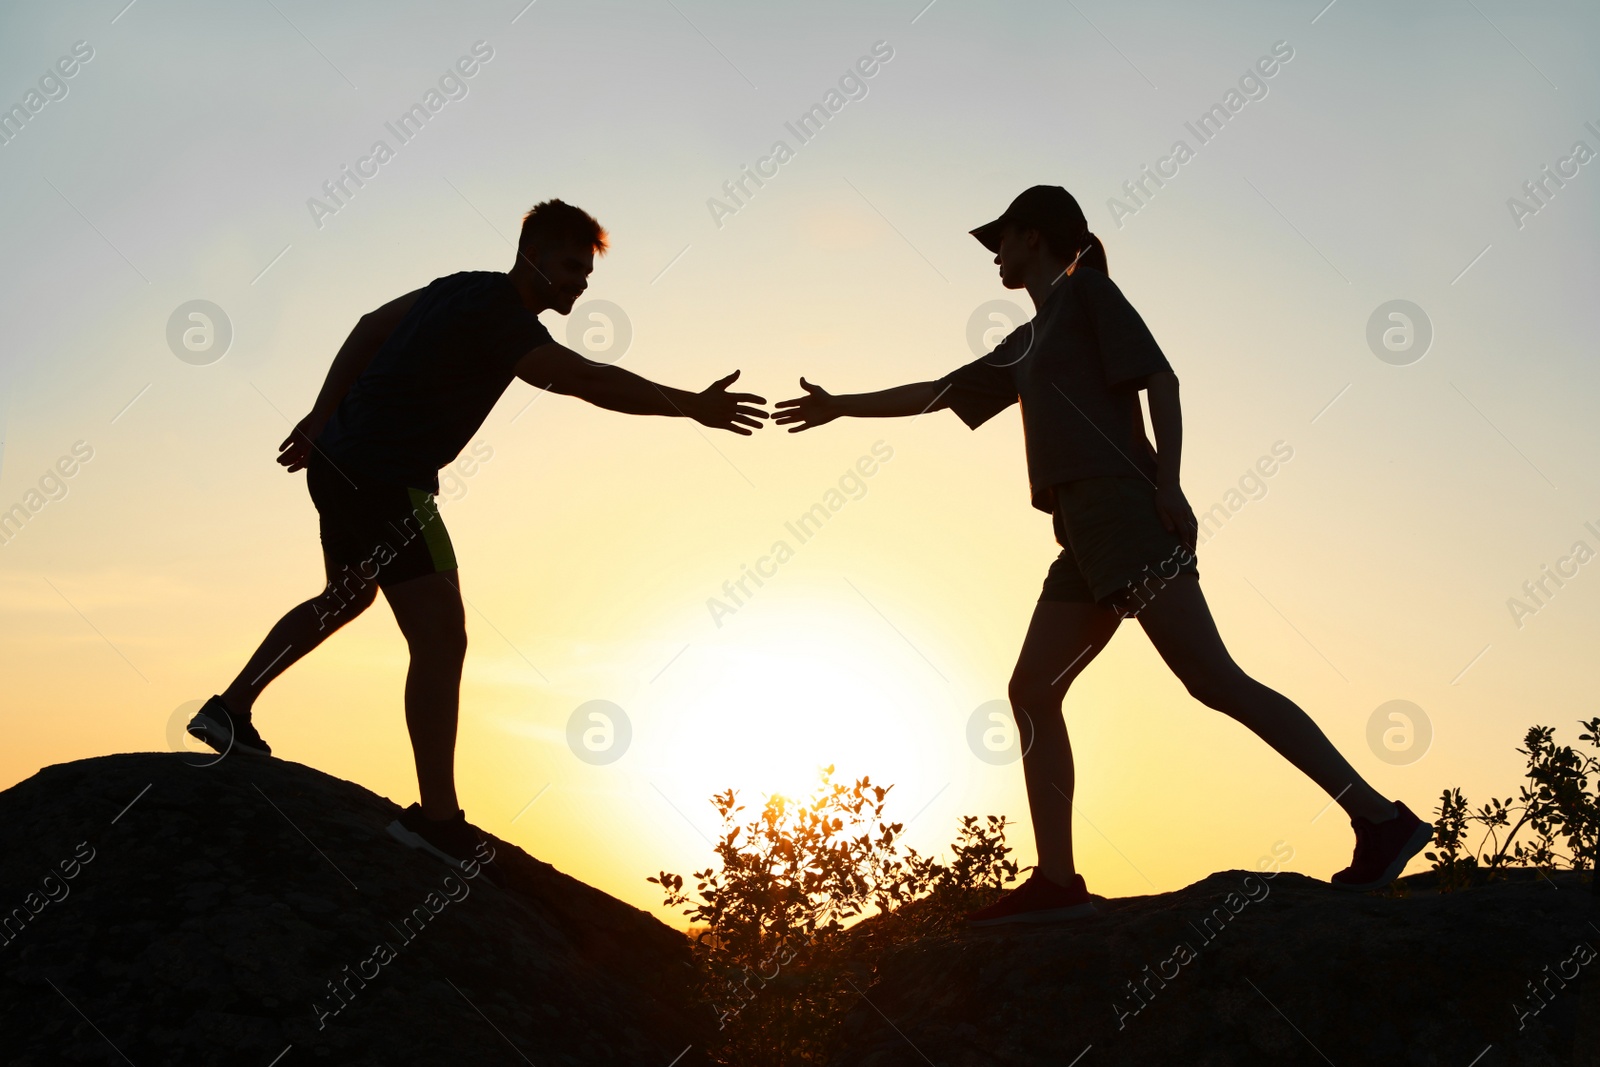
{"x": 1286, "y": 970}
{"x": 208, "y": 918}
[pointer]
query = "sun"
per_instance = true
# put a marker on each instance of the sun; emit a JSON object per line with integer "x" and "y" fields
{"x": 764, "y": 709}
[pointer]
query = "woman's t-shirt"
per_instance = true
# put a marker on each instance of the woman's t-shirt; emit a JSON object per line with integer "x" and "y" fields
{"x": 1076, "y": 368}
{"x": 434, "y": 381}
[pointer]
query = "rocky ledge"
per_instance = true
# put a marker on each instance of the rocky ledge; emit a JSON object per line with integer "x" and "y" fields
{"x": 1241, "y": 968}
{"x": 256, "y": 912}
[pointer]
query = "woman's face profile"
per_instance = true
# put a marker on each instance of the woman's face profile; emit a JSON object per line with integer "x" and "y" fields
{"x": 1017, "y": 251}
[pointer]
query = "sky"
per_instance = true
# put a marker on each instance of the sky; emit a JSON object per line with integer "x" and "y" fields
{"x": 1438, "y": 462}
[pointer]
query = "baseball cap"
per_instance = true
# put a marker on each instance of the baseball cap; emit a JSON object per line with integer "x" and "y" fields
{"x": 1047, "y": 207}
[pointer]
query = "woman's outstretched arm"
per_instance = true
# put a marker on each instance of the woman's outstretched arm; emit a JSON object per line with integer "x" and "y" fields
{"x": 819, "y": 406}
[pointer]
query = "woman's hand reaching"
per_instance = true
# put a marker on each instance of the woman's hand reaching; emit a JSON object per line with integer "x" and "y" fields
{"x": 815, "y": 408}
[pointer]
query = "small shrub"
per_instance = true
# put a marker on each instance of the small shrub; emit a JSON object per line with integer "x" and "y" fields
{"x": 778, "y": 964}
{"x": 1558, "y": 809}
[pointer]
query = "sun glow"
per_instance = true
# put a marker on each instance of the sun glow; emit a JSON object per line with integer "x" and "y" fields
{"x": 764, "y": 709}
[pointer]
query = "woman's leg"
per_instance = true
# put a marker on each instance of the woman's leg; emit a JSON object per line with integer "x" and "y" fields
{"x": 1062, "y": 639}
{"x": 1180, "y": 626}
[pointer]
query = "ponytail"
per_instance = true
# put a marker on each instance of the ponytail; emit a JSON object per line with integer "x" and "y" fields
{"x": 1083, "y": 246}
{"x": 1093, "y": 254}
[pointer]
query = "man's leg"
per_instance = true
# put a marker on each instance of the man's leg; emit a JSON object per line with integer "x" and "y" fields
{"x": 303, "y": 628}
{"x": 1180, "y": 626}
{"x": 1062, "y": 639}
{"x": 429, "y": 612}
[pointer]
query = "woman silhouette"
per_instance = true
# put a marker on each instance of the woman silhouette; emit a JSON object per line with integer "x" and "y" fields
{"x": 1127, "y": 537}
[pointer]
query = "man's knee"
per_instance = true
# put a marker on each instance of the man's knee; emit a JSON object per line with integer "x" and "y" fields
{"x": 364, "y": 599}
{"x": 445, "y": 646}
{"x": 337, "y": 606}
{"x": 444, "y": 639}
{"x": 353, "y": 585}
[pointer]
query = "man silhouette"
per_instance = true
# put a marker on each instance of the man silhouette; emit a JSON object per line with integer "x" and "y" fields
{"x": 410, "y": 386}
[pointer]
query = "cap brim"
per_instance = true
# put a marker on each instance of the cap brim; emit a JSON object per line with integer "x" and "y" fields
{"x": 990, "y": 233}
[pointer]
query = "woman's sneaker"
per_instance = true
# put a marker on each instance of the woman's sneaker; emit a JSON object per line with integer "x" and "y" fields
{"x": 222, "y": 730}
{"x": 1383, "y": 849}
{"x": 1038, "y": 900}
{"x": 453, "y": 840}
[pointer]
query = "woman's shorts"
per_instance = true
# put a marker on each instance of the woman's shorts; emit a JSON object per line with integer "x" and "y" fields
{"x": 1114, "y": 550}
{"x": 387, "y": 533}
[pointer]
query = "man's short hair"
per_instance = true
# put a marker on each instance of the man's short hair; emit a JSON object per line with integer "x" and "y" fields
{"x": 559, "y": 222}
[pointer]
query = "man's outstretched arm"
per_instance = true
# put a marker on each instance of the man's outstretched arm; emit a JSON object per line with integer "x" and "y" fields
{"x": 561, "y": 370}
{"x": 819, "y": 406}
{"x": 357, "y": 351}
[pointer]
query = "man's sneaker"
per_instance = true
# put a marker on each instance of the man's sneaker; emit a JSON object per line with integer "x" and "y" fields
{"x": 452, "y": 840}
{"x": 1383, "y": 849}
{"x": 1038, "y": 900}
{"x": 222, "y": 730}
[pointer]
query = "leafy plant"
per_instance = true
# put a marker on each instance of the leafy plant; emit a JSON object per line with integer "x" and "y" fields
{"x": 1452, "y": 863}
{"x": 778, "y": 965}
{"x": 1558, "y": 808}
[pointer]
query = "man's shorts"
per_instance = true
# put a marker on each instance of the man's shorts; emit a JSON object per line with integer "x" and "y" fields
{"x": 390, "y": 533}
{"x": 1114, "y": 550}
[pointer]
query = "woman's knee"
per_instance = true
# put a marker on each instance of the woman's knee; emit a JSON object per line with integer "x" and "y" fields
{"x": 1223, "y": 690}
{"x": 1033, "y": 692}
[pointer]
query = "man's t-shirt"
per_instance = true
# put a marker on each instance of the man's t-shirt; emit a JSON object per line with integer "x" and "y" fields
{"x": 1076, "y": 369}
{"x": 434, "y": 381}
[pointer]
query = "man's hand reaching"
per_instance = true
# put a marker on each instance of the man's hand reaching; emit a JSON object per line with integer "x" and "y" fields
{"x": 719, "y": 409}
